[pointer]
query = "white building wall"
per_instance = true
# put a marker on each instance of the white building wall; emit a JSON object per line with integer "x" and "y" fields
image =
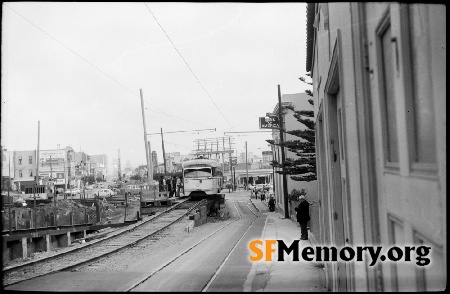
{"x": 399, "y": 195}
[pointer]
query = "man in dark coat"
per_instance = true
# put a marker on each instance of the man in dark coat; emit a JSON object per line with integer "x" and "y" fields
{"x": 161, "y": 184}
{"x": 173, "y": 186}
{"x": 169, "y": 186}
{"x": 303, "y": 216}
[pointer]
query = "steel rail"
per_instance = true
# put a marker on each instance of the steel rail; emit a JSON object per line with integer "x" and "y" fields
{"x": 148, "y": 276}
{"x": 129, "y": 241}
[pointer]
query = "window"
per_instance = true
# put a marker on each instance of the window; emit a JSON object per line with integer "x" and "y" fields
{"x": 422, "y": 99}
{"x": 31, "y": 172}
{"x": 30, "y": 159}
{"x": 20, "y": 159}
{"x": 388, "y": 92}
{"x": 20, "y": 173}
{"x": 197, "y": 173}
{"x": 432, "y": 276}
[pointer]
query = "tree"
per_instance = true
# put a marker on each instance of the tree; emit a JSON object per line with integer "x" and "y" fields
{"x": 136, "y": 177}
{"x": 88, "y": 179}
{"x": 302, "y": 168}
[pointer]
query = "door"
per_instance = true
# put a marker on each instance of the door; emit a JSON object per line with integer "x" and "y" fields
{"x": 338, "y": 182}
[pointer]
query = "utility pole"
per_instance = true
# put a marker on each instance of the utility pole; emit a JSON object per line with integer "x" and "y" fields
{"x": 280, "y": 117}
{"x": 246, "y": 166}
{"x": 37, "y": 155}
{"x": 164, "y": 153}
{"x": 119, "y": 167}
{"x": 145, "y": 137}
{"x": 37, "y": 176}
{"x": 9, "y": 199}
{"x": 150, "y": 171}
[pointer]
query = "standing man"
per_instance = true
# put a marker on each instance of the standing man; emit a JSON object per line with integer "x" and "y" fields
{"x": 161, "y": 184}
{"x": 169, "y": 186}
{"x": 174, "y": 186}
{"x": 178, "y": 186}
{"x": 303, "y": 216}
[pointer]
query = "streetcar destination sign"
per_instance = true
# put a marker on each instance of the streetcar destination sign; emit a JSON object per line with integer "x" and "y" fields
{"x": 269, "y": 122}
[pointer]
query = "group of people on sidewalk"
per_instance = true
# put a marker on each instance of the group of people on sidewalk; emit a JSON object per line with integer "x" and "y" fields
{"x": 302, "y": 212}
{"x": 173, "y": 185}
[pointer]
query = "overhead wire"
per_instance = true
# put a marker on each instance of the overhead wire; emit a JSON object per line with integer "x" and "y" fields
{"x": 184, "y": 60}
{"x": 99, "y": 69}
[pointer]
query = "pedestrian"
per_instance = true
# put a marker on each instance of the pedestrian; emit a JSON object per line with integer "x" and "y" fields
{"x": 303, "y": 216}
{"x": 178, "y": 186}
{"x": 161, "y": 184}
{"x": 174, "y": 186}
{"x": 271, "y": 203}
{"x": 263, "y": 194}
{"x": 169, "y": 186}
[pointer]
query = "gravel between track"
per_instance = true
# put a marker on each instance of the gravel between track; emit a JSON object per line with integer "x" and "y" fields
{"x": 148, "y": 255}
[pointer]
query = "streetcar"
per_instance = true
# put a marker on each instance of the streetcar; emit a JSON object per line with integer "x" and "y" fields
{"x": 40, "y": 191}
{"x": 202, "y": 177}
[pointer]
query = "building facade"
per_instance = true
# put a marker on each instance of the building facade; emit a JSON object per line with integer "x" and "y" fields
{"x": 24, "y": 168}
{"x": 57, "y": 166}
{"x": 379, "y": 85}
{"x": 267, "y": 156}
{"x": 101, "y": 164}
{"x": 7, "y": 169}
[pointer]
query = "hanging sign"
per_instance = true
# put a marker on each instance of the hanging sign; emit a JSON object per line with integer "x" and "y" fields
{"x": 269, "y": 122}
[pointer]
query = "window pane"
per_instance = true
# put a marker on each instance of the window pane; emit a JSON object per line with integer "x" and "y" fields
{"x": 423, "y": 103}
{"x": 389, "y": 96}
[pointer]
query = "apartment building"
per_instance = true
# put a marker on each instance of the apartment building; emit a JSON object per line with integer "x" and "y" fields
{"x": 24, "y": 167}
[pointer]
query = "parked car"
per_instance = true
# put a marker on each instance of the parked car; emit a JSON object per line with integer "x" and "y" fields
{"x": 74, "y": 191}
{"x": 105, "y": 192}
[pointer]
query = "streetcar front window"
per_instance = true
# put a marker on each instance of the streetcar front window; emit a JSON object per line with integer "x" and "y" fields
{"x": 197, "y": 173}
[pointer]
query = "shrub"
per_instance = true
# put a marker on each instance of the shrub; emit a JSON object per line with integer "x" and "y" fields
{"x": 295, "y": 194}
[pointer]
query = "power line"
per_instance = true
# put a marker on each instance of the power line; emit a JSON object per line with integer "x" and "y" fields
{"x": 97, "y": 68}
{"x": 187, "y": 65}
{"x": 90, "y": 63}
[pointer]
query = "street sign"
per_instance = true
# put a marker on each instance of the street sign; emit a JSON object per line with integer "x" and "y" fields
{"x": 269, "y": 122}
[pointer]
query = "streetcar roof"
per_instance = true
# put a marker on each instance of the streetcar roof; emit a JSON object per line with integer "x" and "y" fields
{"x": 200, "y": 163}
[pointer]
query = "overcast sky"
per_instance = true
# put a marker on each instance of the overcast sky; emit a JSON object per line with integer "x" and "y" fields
{"x": 77, "y": 68}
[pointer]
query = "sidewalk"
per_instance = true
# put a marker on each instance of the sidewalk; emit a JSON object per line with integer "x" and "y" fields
{"x": 298, "y": 276}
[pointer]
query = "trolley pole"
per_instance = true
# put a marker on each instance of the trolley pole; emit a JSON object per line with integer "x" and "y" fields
{"x": 280, "y": 117}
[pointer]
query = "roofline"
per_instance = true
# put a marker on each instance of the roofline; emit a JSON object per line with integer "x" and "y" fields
{"x": 310, "y": 16}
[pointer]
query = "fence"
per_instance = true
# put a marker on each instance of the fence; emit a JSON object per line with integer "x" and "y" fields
{"x": 68, "y": 213}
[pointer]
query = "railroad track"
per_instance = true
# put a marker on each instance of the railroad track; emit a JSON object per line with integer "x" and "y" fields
{"x": 100, "y": 248}
{"x": 205, "y": 288}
